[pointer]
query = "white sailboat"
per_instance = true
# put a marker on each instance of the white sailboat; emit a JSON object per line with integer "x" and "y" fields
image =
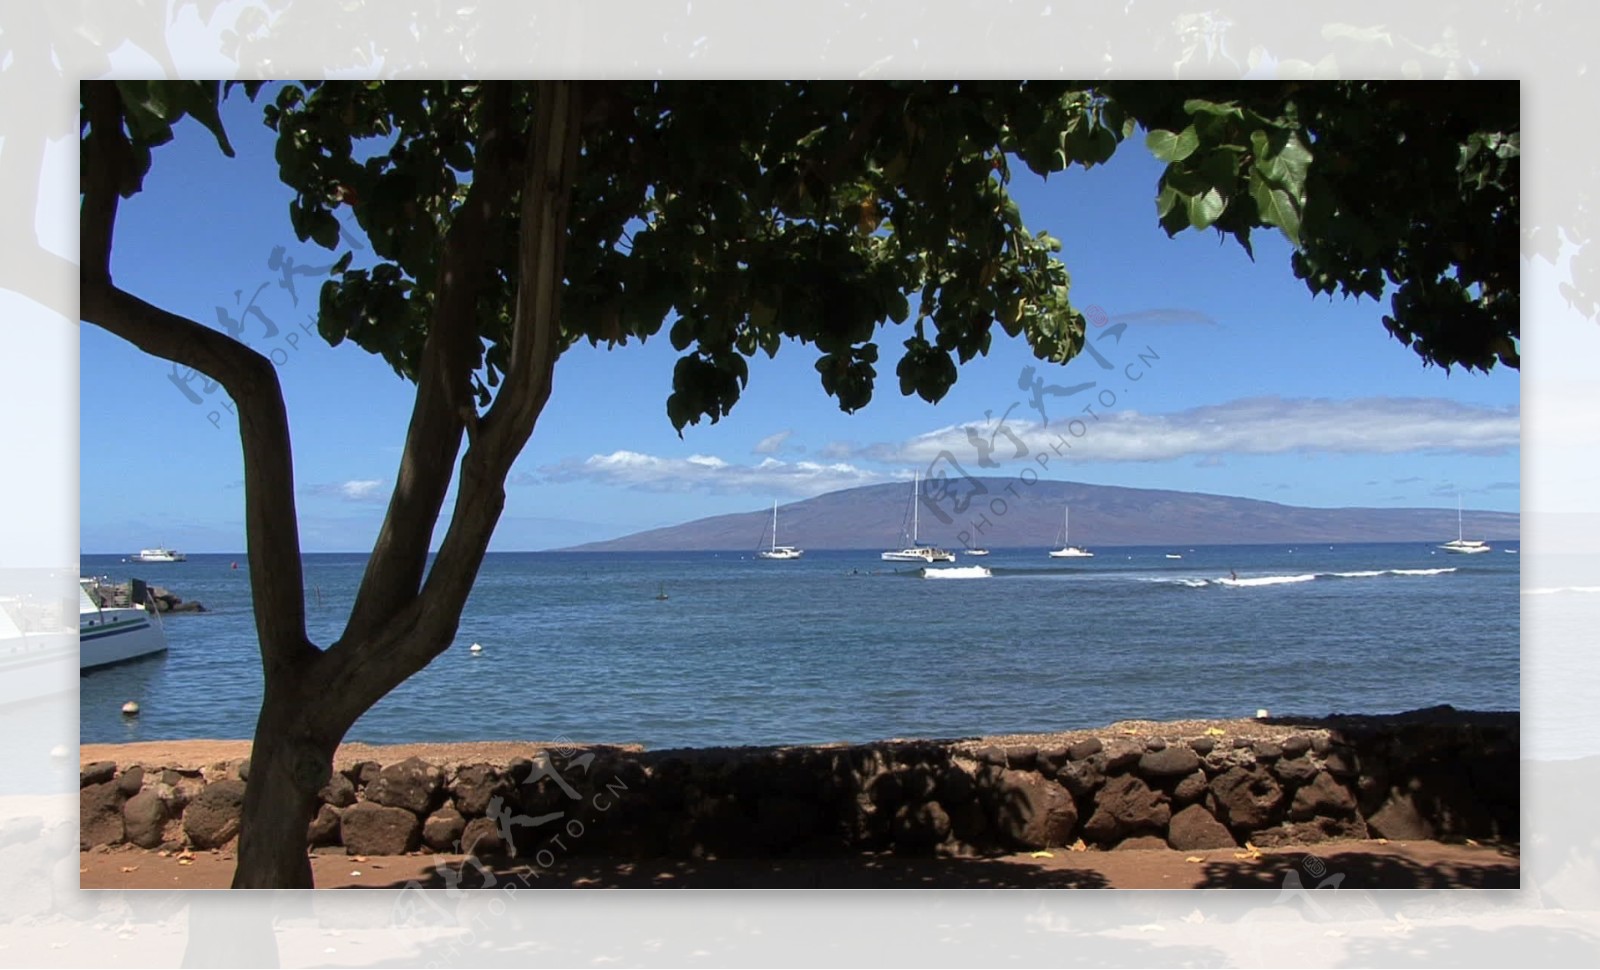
{"x": 1067, "y": 550}
{"x": 777, "y": 551}
{"x": 112, "y": 634}
{"x": 916, "y": 552}
{"x": 158, "y": 554}
{"x": 1460, "y": 545}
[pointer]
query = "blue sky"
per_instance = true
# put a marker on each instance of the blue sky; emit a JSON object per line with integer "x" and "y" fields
{"x": 1246, "y": 385}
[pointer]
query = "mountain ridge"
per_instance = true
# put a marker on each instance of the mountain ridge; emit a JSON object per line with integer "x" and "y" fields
{"x": 1004, "y": 513}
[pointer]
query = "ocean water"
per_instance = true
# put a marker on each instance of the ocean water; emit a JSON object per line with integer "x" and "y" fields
{"x": 840, "y": 646}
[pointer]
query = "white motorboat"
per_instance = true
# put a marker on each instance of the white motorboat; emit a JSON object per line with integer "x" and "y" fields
{"x": 158, "y": 554}
{"x": 916, "y": 552}
{"x": 977, "y": 552}
{"x": 111, "y": 634}
{"x": 1460, "y": 545}
{"x": 777, "y": 551}
{"x": 1068, "y": 550}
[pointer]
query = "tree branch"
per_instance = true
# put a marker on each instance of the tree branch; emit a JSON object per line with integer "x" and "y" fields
{"x": 444, "y": 403}
{"x": 271, "y": 528}
{"x": 423, "y": 628}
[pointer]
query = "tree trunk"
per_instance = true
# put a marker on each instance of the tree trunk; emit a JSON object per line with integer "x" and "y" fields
{"x": 289, "y": 765}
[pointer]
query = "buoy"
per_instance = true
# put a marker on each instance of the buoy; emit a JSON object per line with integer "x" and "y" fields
{"x": 131, "y": 709}
{"x": 233, "y": 565}
{"x": 1261, "y": 712}
{"x": 477, "y": 648}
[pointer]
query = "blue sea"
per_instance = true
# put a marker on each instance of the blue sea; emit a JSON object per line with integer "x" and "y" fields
{"x": 840, "y": 646}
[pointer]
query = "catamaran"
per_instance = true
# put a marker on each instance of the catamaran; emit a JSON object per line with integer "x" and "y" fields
{"x": 1460, "y": 545}
{"x": 1067, "y": 550}
{"x": 916, "y": 552}
{"x": 777, "y": 551}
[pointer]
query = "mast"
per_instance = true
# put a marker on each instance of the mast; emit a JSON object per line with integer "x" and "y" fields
{"x": 774, "y": 525}
{"x": 914, "y": 483}
{"x": 1460, "y": 536}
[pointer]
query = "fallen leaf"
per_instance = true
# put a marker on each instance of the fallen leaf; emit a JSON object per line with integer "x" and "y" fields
{"x": 1215, "y": 732}
{"x": 83, "y": 868}
{"x": 1383, "y": 841}
{"x": 130, "y": 868}
{"x": 185, "y": 862}
{"x": 359, "y": 858}
{"x": 1250, "y": 852}
{"x": 1078, "y": 846}
{"x": 1041, "y": 855}
{"x": 1472, "y": 842}
{"x": 355, "y": 872}
{"x": 1195, "y": 858}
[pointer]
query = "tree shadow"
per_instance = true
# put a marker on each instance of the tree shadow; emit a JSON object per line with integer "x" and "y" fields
{"x": 1358, "y": 870}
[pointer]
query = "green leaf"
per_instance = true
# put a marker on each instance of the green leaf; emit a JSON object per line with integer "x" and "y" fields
{"x": 1169, "y": 147}
{"x": 1205, "y": 209}
{"x": 1277, "y": 209}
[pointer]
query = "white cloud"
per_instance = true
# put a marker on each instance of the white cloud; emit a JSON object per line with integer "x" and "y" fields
{"x": 1250, "y": 426}
{"x": 772, "y": 443}
{"x": 631, "y": 469}
{"x": 355, "y": 490}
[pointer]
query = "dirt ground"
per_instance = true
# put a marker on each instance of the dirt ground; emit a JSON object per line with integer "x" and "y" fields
{"x": 1349, "y": 865}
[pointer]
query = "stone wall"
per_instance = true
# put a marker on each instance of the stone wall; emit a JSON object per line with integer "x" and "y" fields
{"x": 1428, "y": 774}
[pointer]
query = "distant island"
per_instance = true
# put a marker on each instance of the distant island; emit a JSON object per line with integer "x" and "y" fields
{"x": 1009, "y": 513}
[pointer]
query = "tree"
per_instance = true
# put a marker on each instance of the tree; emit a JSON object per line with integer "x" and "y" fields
{"x": 511, "y": 220}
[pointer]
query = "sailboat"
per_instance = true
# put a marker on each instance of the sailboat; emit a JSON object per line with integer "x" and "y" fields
{"x": 777, "y": 551}
{"x": 1067, "y": 550}
{"x": 916, "y": 552}
{"x": 1459, "y": 544}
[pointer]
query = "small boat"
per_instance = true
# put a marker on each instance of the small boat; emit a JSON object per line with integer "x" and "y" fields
{"x": 777, "y": 551}
{"x": 1173, "y": 555}
{"x": 1460, "y": 545}
{"x": 916, "y": 552}
{"x": 158, "y": 554}
{"x": 112, "y": 634}
{"x": 1067, "y": 550}
{"x": 977, "y": 552}
{"x": 661, "y": 594}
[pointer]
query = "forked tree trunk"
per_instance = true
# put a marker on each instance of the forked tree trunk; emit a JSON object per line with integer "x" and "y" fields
{"x": 289, "y": 765}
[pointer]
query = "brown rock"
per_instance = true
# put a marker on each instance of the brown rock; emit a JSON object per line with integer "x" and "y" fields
{"x": 1295, "y": 771}
{"x": 481, "y": 838}
{"x": 1190, "y": 789}
{"x": 1323, "y": 796}
{"x": 1202, "y": 745}
{"x": 1052, "y": 758}
{"x": 1121, "y": 753}
{"x": 1080, "y": 777}
{"x": 990, "y": 756}
{"x": 1296, "y": 745}
{"x": 1022, "y": 757}
{"x": 324, "y": 829}
{"x": 96, "y": 772}
{"x": 1169, "y": 762}
{"x": 368, "y": 828}
{"x": 362, "y": 773}
{"x": 917, "y": 829}
{"x": 1082, "y": 750}
{"x": 1142, "y": 843}
{"x": 1268, "y": 750}
{"x": 1126, "y": 806}
{"x": 474, "y": 786}
{"x": 1399, "y": 820}
{"x": 412, "y": 784}
{"x": 131, "y": 781}
{"x": 339, "y": 792}
{"x": 442, "y": 831}
{"x": 99, "y": 814}
{"x": 212, "y": 818}
{"x": 1196, "y": 828}
{"x": 144, "y": 820}
{"x": 1033, "y": 812}
{"x": 1246, "y": 798}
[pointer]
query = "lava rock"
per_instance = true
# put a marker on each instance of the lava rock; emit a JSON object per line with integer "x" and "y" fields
{"x": 918, "y": 828}
{"x": 1082, "y": 750}
{"x": 1267, "y": 750}
{"x": 1022, "y": 757}
{"x": 1169, "y": 762}
{"x": 96, "y": 772}
{"x": 1296, "y": 745}
{"x": 1245, "y": 798}
{"x": 442, "y": 832}
{"x": 473, "y": 788}
{"x": 1195, "y": 828}
{"x": 412, "y": 784}
{"x": 339, "y": 792}
{"x": 100, "y": 815}
{"x": 144, "y": 820}
{"x": 212, "y": 817}
{"x": 324, "y": 829}
{"x": 131, "y": 781}
{"x": 481, "y": 838}
{"x": 369, "y": 828}
{"x": 1191, "y": 789}
{"x": 1122, "y": 754}
{"x": 1295, "y": 771}
{"x": 1126, "y": 806}
{"x": 1324, "y": 796}
{"x": 1399, "y": 820}
{"x": 1033, "y": 812}
{"x": 1202, "y": 746}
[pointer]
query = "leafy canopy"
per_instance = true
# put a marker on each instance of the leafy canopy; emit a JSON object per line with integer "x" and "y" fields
{"x": 753, "y": 212}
